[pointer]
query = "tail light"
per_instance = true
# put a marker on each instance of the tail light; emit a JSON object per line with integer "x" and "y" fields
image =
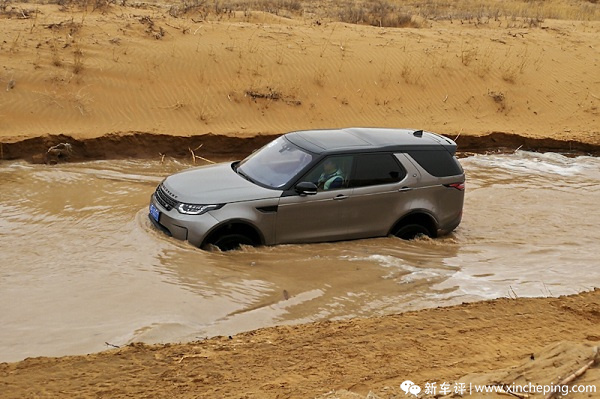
{"x": 458, "y": 186}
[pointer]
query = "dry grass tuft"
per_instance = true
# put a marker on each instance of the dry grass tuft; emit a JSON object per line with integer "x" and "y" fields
{"x": 91, "y": 5}
{"x": 155, "y": 31}
{"x": 380, "y": 13}
{"x": 272, "y": 95}
{"x": 499, "y": 98}
{"x": 56, "y": 60}
{"x": 77, "y": 61}
{"x": 268, "y": 94}
{"x": 468, "y": 55}
{"x": 77, "y": 100}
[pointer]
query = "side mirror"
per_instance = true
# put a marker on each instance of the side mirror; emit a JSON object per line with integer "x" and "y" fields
{"x": 306, "y": 188}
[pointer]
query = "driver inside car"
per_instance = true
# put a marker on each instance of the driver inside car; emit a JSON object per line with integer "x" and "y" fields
{"x": 331, "y": 177}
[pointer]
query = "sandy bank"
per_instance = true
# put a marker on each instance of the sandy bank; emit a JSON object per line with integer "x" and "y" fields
{"x": 157, "y": 146}
{"x": 538, "y": 340}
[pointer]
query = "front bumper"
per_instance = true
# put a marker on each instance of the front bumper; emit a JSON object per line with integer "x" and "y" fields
{"x": 192, "y": 228}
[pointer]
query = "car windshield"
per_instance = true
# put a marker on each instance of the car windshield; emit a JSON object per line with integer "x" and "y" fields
{"x": 275, "y": 164}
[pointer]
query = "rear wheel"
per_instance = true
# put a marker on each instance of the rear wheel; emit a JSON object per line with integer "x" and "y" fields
{"x": 228, "y": 242}
{"x": 411, "y": 231}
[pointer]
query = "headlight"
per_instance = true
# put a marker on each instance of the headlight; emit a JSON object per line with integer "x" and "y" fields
{"x": 196, "y": 209}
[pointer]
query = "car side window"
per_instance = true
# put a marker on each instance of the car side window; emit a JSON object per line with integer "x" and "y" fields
{"x": 438, "y": 163}
{"x": 331, "y": 173}
{"x": 374, "y": 169}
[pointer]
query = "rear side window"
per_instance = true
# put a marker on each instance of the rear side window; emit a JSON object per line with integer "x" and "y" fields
{"x": 438, "y": 163}
{"x": 373, "y": 169}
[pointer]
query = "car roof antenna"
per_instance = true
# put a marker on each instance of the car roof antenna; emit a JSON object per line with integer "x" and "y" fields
{"x": 418, "y": 133}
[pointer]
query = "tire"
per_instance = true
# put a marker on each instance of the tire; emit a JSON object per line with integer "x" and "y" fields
{"x": 411, "y": 231}
{"x": 228, "y": 242}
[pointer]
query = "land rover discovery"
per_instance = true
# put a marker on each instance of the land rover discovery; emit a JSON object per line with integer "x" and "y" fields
{"x": 315, "y": 186}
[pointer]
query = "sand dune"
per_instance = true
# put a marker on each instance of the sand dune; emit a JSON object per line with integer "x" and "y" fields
{"x": 139, "y": 69}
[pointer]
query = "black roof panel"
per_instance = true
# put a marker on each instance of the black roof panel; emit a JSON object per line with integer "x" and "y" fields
{"x": 368, "y": 139}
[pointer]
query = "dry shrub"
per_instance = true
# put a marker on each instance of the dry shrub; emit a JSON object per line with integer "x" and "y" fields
{"x": 382, "y": 13}
{"x": 221, "y": 8}
{"x": 529, "y": 12}
{"x": 151, "y": 29}
{"x": 352, "y": 14}
{"x": 275, "y": 6}
{"x": 533, "y": 22}
{"x": 376, "y": 13}
{"x": 385, "y": 13}
{"x": 188, "y": 7}
{"x": 10, "y": 11}
{"x": 95, "y": 5}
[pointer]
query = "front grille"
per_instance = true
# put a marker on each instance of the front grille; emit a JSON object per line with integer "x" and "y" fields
{"x": 164, "y": 199}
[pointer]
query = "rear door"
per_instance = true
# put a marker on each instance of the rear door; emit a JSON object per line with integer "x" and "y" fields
{"x": 383, "y": 191}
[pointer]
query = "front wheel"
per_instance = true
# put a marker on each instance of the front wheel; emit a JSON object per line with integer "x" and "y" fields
{"x": 411, "y": 231}
{"x": 228, "y": 242}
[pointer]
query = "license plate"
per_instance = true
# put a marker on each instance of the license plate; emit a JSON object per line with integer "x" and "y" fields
{"x": 154, "y": 212}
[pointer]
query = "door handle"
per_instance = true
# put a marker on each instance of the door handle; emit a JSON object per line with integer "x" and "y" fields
{"x": 404, "y": 189}
{"x": 340, "y": 197}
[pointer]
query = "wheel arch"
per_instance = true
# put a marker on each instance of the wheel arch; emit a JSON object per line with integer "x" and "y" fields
{"x": 421, "y": 217}
{"x": 234, "y": 226}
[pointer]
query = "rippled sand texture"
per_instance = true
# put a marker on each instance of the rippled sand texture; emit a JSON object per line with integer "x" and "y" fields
{"x": 140, "y": 69}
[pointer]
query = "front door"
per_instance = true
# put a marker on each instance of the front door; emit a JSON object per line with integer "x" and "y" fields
{"x": 319, "y": 217}
{"x": 312, "y": 218}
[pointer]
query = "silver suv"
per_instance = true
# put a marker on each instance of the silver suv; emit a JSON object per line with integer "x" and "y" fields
{"x": 318, "y": 185}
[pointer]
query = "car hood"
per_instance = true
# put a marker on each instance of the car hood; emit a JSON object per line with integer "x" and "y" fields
{"x": 214, "y": 184}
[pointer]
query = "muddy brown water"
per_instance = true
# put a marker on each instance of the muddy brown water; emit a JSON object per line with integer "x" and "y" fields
{"x": 82, "y": 268}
